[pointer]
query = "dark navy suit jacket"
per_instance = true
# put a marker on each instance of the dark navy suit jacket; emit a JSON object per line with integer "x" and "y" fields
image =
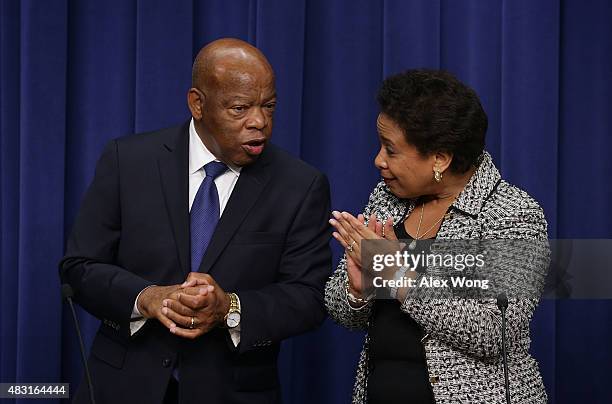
{"x": 270, "y": 246}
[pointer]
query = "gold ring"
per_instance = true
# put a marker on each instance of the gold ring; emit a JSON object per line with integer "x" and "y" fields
{"x": 350, "y": 247}
{"x": 192, "y": 323}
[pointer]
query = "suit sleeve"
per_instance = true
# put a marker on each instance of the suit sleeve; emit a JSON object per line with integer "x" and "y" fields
{"x": 103, "y": 288}
{"x": 294, "y": 304}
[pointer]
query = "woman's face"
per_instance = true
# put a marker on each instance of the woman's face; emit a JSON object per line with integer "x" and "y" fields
{"x": 407, "y": 173}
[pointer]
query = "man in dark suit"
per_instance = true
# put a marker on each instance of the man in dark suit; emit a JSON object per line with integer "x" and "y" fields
{"x": 201, "y": 247}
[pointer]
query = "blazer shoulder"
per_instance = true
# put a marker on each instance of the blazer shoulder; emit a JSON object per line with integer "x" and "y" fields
{"x": 152, "y": 140}
{"x": 291, "y": 165}
{"x": 516, "y": 211}
{"x": 509, "y": 197}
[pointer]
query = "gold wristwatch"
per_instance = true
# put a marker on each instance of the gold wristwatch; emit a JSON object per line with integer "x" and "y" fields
{"x": 232, "y": 318}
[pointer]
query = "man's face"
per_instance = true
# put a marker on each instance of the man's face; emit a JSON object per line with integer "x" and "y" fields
{"x": 237, "y": 114}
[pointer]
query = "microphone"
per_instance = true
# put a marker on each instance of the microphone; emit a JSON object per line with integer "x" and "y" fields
{"x": 67, "y": 294}
{"x": 502, "y": 304}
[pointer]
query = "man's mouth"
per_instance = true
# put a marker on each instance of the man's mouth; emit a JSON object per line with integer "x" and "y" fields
{"x": 254, "y": 147}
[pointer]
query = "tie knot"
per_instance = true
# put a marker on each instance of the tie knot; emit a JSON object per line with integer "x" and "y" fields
{"x": 214, "y": 169}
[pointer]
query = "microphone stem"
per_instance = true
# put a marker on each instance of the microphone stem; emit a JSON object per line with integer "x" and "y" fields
{"x": 506, "y": 382}
{"x": 83, "y": 358}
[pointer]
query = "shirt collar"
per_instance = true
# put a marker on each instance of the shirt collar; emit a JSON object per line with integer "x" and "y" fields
{"x": 199, "y": 155}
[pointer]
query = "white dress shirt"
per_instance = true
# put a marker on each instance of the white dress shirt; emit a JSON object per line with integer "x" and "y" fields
{"x": 199, "y": 156}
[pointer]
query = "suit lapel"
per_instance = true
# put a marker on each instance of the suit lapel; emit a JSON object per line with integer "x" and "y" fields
{"x": 251, "y": 183}
{"x": 174, "y": 172}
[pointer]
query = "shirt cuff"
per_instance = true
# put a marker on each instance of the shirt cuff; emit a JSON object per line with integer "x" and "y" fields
{"x": 137, "y": 320}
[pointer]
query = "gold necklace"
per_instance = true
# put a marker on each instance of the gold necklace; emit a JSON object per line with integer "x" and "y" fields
{"x": 413, "y": 243}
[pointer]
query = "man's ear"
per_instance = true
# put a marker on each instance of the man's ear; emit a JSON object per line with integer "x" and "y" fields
{"x": 195, "y": 102}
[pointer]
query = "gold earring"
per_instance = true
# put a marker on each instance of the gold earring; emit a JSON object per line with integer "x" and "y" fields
{"x": 437, "y": 175}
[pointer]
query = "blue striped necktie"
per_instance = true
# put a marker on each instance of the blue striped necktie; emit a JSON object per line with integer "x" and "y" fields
{"x": 204, "y": 213}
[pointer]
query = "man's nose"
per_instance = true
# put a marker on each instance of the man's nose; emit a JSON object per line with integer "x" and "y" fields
{"x": 256, "y": 119}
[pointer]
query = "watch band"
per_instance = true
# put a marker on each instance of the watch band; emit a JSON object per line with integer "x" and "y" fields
{"x": 233, "y": 308}
{"x": 234, "y": 303}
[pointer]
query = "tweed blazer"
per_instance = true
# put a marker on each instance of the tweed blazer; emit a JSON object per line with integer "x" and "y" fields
{"x": 462, "y": 341}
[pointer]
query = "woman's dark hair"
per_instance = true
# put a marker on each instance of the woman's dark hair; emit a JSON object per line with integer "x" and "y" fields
{"x": 437, "y": 113}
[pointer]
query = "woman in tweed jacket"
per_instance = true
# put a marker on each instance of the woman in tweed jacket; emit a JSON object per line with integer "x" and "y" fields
{"x": 438, "y": 182}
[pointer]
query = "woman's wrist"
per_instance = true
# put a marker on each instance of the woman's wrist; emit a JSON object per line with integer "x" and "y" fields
{"x": 356, "y": 298}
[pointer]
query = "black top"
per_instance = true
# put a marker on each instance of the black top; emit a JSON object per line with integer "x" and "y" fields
{"x": 397, "y": 367}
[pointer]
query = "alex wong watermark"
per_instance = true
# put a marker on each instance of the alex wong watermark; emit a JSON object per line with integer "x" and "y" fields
{"x": 471, "y": 269}
{"x": 476, "y": 269}
{"x": 407, "y": 261}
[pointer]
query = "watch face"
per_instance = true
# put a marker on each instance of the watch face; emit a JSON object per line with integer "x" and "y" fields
{"x": 233, "y": 319}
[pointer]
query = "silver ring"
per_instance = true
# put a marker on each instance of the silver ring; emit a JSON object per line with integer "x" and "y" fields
{"x": 383, "y": 229}
{"x": 192, "y": 323}
{"x": 350, "y": 247}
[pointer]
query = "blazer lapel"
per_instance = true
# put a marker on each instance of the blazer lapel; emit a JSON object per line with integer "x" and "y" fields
{"x": 251, "y": 183}
{"x": 173, "y": 169}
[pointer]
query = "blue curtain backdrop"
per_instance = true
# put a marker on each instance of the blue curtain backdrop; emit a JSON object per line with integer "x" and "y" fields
{"x": 74, "y": 74}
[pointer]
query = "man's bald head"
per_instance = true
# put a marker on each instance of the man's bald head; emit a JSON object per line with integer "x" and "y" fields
{"x": 228, "y": 59}
{"x": 232, "y": 100}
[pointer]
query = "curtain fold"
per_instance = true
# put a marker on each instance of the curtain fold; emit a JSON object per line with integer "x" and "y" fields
{"x": 41, "y": 156}
{"x": 10, "y": 42}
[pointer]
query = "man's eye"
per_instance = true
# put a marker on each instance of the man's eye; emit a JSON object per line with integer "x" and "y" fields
{"x": 270, "y": 106}
{"x": 239, "y": 108}
{"x": 389, "y": 150}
